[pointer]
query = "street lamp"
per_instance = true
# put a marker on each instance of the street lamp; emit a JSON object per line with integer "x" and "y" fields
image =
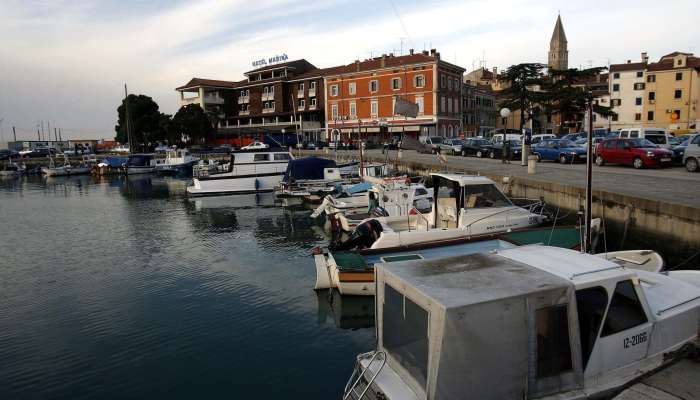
{"x": 505, "y": 113}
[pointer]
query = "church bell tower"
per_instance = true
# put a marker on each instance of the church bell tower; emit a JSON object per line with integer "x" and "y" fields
{"x": 558, "y": 52}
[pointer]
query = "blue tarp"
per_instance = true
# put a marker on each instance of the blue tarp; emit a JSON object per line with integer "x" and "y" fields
{"x": 115, "y": 162}
{"x": 359, "y": 188}
{"x": 307, "y": 168}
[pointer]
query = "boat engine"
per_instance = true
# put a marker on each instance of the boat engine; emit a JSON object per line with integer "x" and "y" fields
{"x": 362, "y": 237}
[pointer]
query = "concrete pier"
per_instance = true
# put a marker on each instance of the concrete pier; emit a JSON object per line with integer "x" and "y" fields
{"x": 660, "y": 204}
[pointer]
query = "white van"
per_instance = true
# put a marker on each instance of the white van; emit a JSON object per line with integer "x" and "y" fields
{"x": 538, "y": 138}
{"x": 658, "y": 136}
{"x": 498, "y": 138}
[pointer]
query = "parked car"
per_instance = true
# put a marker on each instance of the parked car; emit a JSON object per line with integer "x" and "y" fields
{"x": 535, "y": 139}
{"x": 256, "y": 146}
{"x": 454, "y": 146}
{"x": 40, "y": 152}
{"x": 638, "y": 152}
{"x": 679, "y": 151}
{"x": 433, "y": 144}
{"x": 583, "y": 142}
{"x": 515, "y": 149}
{"x": 658, "y": 136}
{"x": 478, "y": 147}
{"x": 574, "y": 136}
{"x": 564, "y": 151}
{"x": 691, "y": 158}
{"x": 513, "y": 137}
{"x": 8, "y": 154}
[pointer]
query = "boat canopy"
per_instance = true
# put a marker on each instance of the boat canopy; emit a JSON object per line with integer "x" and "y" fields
{"x": 115, "y": 162}
{"x": 359, "y": 188}
{"x": 481, "y": 324}
{"x": 307, "y": 168}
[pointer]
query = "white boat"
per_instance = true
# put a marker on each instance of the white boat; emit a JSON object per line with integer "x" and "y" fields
{"x": 309, "y": 176}
{"x": 176, "y": 162}
{"x": 250, "y": 171}
{"x": 532, "y": 322}
{"x": 646, "y": 260}
{"x": 463, "y": 206}
{"x": 140, "y": 164}
{"x": 10, "y": 170}
{"x": 66, "y": 169}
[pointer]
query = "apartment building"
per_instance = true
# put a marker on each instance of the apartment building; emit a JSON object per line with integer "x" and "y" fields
{"x": 672, "y": 92}
{"x": 479, "y": 109}
{"x": 277, "y": 100}
{"x": 361, "y": 97}
{"x": 626, "y": 85}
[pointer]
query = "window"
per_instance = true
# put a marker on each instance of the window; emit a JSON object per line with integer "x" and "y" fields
{"x": 450, "y": 132}
{"x": 652, "y": 96}
{"x": 282, "y": 156}
{"x": 625, "y": 310}
{"x": 615, "y": 102}
{"x": 312, "y": 102}
{"x": 450, "y": 83}
{"x": 677, "y": 114}
{"x": 614, "y": 117}
{"x": 591, "y": 304}
{"x": 442, "y": 103}
{"x": 650, "y": 115}
{"x": 638, "y": 117}
{"x": 405, "y": 333}
{"x": 272, "y": 105}
{"x": 696, "y": 140}
{"x": 272, "y": 90}
{"x": 352, "y": 88}
{"x": 678, "y": 94}
{"x": 651, "y": 78}
{"x": 553, "y": 346}
{"x": 395, "y": 83}
{"x": 456, "y": 106}
{"x": 639, "y": 86}
{"x": 616, "y": 87}
{"x": 261, "y": 157}
{"x": 638, "y": 101}
{"x": 265, "y": 89}
{"x": 419, "y": 81}
{"x": 334, "y": 90}
{"x": 421, "y": 105}
{"x": 443, "y": 82}
{"x": 302, "y": 103}
{"x": 373, "y": 86}
{"x": 353, "y": 110}
{"x": 616, "y": 75}
{"x": 301, "y": 87}
{"x": 312, "y": 85}
{"x": 449, "y": 105}
{"x": 334, "y": 111}
{"x": 374, "y": 108}
{"x": 640, "y": 74}
{"x": 679, "y": 76}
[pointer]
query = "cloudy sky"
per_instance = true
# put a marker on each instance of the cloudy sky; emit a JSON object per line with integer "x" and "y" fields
{"x": 66, "y": 61}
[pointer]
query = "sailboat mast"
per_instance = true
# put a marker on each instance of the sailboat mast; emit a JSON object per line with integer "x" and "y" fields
{"x": 128, "y": 120}
{"x": 589, "y": 179}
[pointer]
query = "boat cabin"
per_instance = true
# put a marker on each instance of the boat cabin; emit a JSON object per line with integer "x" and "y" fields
{"x": 521, "y": 323}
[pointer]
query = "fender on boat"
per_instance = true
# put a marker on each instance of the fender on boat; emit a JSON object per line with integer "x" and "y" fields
{"x": 323, "y": 275}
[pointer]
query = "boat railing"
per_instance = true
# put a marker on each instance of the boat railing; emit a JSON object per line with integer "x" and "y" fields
{"x": 532, "y": 205}
{"x": 419, "y": 214}
{"x": 358, "y": 366}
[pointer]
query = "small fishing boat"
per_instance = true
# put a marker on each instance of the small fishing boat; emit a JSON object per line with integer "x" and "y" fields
{"x": 176, "y": 162}
{"x": 532, "y": 322}
{"x": 646, "y": 260}
{"x": 309, "y": 176}
{"x": 249, "y": 171}
{"x": 66, "y": 169}
{"x": 10, "y": 170}
{"x": 463, "y": 206}
{"x": 140, "y": 164}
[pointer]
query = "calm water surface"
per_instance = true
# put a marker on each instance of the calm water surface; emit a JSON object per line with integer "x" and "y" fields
{"x": 126, "y": 289}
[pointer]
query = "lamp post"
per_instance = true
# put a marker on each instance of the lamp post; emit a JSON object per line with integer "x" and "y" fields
{"x": 505, "y": 113}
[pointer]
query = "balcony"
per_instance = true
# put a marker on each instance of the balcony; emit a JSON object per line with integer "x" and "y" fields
{"x": 300, "y": 94}
{"x": 312, "y": 92}
{"x": 213, "y": 98}
{"x": 268, "y": 110}
{"x": 246, "y": 112}
{"x": 189, "y": 100}
{"x": 312, "y": 106}
{"x": 243, "y": 99}
{"x": 301, "y": 108}
{"x": 268, "y": 96}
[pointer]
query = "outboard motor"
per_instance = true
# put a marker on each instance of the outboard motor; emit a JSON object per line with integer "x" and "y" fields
{"x": 362, "y": 237}
{"x": 379, "y": 212}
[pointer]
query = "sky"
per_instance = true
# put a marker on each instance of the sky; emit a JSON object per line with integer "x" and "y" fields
{"x": 65, "y": 62}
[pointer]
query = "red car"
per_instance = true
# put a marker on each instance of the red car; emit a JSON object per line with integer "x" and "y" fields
{"x": 640, "y": 153}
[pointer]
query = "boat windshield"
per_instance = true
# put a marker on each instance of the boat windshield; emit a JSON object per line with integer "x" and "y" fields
{"x": 484, "y": 196}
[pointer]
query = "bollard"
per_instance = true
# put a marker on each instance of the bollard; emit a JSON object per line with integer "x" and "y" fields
{"x": 531, "y": 165}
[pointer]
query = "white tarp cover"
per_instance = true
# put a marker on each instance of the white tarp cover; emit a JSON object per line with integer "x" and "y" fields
{"x": 482, "y": 332}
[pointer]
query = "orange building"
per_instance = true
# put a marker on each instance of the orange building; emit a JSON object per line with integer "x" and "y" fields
{"x": 361, "y": 97}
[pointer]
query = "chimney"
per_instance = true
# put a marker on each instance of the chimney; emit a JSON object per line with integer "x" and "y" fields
{"x": 410, "y": 51}
{"x": 645, "y": 57}
{"x": 425, "y": 52}
{"x": 629, "y": 61}
{"x": 432, "y": 52}
{"x": 383, "y": 61}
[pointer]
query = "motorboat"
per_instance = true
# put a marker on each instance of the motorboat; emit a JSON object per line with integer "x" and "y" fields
{"x": 385, "y": 197}
{"x": 66, "y": 169}
{"x": 140, "y": 164}
{"x": 176, "y": 162}
{"x": 463, "y": 206}
{"x": 351, "y": 272}
{"x": 249, "y": 171}
{"x": 10, "y": 170}
{"x": 531, "y": 322}
{"x": 310, "y": 176}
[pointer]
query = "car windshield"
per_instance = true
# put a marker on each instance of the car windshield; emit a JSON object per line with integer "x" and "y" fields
{"x": 674, "y": 141}
{"x": 640, "y": 143}
{"x": 436, "y": 140}
{"x": 657, "y": 139}
{"x": 685, "y": 142}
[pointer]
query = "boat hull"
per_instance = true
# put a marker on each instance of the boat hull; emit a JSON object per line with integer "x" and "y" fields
{"x": 213, "y": 186}
{"x": 139, "y": 170}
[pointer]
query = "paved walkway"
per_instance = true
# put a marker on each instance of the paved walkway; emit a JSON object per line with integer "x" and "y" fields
{"x": 671, "y": 185}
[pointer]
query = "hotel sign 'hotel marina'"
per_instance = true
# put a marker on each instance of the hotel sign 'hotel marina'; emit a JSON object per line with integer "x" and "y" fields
{"x": 272, "y": 60}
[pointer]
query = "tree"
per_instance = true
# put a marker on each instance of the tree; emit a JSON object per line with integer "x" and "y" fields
{"x": 192, "y": 122}
{"x": 524, "y": 81}
{"x": 567, "y": 96}
{"x": 145, "y": 120}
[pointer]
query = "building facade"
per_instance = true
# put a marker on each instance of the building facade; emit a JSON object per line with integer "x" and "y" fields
{"x": 479, "y": 105}
{"x": 626, "y": 87}
{"x": 361, "y": 97}
{"x": 672, "y": 92}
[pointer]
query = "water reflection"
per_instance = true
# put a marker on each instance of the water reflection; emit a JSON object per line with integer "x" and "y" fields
{"x": 346, "y": 312}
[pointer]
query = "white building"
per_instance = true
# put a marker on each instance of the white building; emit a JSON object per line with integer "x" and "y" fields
{"x": 626, "y": 84}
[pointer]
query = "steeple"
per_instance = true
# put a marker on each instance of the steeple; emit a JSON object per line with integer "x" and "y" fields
{"x": 558, "y": 51}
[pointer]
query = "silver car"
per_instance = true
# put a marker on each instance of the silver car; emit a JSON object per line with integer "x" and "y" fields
{"x": 691, "y": 157}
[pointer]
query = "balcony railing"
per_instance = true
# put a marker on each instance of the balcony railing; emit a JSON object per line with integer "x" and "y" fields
{"x": 300, "y": 94}
{"x": 312, "y": 92}
{"x": 243, "y": 99}
{"x": 301, "y": 108}
{"x": 312, "y": 106}
{"x": 246, "y": 112}
{"x": 268, "y": 110}
{"x": 268, "y": 96}
{"x": 213, "y": 99}
{"x": 189, "y": 100}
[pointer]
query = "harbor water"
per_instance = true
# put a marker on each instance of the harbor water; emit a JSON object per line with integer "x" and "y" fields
{"x": 115, "y": 289}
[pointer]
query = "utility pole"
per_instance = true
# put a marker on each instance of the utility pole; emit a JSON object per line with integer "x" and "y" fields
{"x": 589, "y": 178}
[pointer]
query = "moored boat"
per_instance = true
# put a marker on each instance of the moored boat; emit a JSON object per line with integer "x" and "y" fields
{"x": 176, "y": 162}
{"x": 140, "y": 164}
